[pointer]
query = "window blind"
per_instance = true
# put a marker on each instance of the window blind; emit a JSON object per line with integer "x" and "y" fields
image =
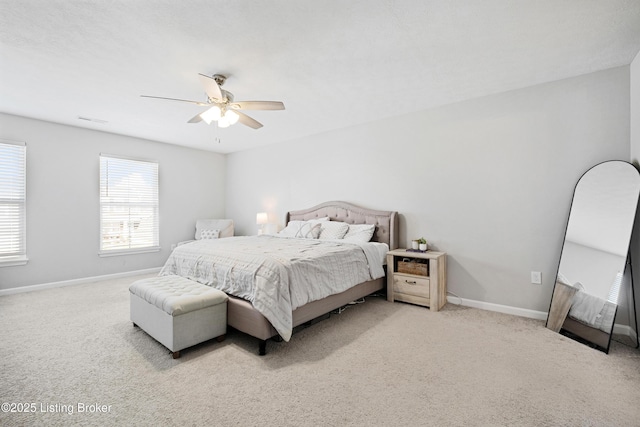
{"x": 13, "y": 191}
{"x": 129, "y": 205}
{"x": 614, "y": 291}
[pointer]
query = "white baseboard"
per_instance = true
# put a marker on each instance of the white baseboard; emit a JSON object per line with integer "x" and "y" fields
{"x": 625, "y": 330}
{"x": 523, "y": 312}
{"x": 76, "y": 281}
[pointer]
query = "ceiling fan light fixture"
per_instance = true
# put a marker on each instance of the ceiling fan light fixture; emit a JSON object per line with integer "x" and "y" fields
{"x": 232, "y": 116}
{"x": 211, "y": 115}
{"x": 228, "y": 119}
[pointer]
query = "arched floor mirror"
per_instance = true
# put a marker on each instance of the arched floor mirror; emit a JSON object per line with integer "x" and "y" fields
{"x": 594, "y": 254}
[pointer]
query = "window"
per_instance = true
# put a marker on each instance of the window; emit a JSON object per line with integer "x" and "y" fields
{"x": 13, "y": 195}
{"x": 128, "y": 206}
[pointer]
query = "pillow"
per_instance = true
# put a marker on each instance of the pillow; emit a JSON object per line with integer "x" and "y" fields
{"x": 291, "y": 229}
{"x": 333, "y": 230}
{"x": 304, "y": 229}
{"x": 309, "y": 230}
{"x": 209, "y": 234}
{"x": 360, "y": 232}
{"x": 224, "y": 225}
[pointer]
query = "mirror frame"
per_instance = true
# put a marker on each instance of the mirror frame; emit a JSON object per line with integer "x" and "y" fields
{"x": 563, "y": 301}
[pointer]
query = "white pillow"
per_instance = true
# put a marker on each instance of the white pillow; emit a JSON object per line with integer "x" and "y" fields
{"x": 360, "y": 232}
{"x": 304, "y": 229}
{"x": 209, "y": 234}
{"x": 333, "y": 230}
{"x": 224, "y": 225}
{"x": 291, "y": 229}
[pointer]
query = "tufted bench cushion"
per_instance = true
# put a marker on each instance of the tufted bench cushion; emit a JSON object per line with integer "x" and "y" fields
{"x": 176, "y": 295}
{"x": 178, "y": 312}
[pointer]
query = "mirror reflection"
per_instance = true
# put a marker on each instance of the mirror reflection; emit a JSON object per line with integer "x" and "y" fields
{"x": 594, "y": 253}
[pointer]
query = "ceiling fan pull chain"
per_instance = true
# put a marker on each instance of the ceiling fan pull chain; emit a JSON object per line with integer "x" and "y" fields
{"x": 216, "y": 135}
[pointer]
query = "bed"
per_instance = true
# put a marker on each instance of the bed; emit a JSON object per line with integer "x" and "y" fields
{"x": 249, "y": 313}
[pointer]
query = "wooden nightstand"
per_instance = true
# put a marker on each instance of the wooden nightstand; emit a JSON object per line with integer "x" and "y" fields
{"x": 417, "y": 277}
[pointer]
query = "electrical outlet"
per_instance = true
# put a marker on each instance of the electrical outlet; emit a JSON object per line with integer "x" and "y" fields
{"x": 536, "y": 277}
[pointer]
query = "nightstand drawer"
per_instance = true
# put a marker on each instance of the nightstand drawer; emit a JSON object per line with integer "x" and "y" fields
{"x": 411, "y": 285}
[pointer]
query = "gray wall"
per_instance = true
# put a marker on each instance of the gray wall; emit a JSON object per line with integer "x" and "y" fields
{"x": 63, "y": 204}
{"x": 489, "y": 180}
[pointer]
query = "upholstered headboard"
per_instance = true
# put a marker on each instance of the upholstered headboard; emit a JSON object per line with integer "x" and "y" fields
{"x": 386, "y": 221}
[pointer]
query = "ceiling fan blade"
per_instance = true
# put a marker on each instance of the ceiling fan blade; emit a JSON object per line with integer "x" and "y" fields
{"x": 248, "y": 121}
{"x": 195, "y": 119}
{"x": 202, "y": 104}
{"x": 211, "y": 87}
{"x": 257, "y": 105}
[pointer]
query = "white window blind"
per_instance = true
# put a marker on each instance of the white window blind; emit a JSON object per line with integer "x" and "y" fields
{"x": 13, "y": 193}
{"x": 128, "y": 206}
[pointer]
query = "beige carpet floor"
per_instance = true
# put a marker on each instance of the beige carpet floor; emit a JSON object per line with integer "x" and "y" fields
{"x": 72, "y": 357}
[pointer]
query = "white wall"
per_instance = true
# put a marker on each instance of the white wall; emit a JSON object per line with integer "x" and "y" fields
{"x": 489, "y": 180}
{"x": 63, "y": 204}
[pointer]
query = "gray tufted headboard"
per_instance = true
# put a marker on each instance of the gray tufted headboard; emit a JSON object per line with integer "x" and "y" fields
{"x": 386, "y": 221}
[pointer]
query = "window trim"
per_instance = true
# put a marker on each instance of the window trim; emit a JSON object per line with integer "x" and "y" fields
{"x": 127, "y": 251}
{"x": 118, "y": 252}
{"x": 19, "y": 259}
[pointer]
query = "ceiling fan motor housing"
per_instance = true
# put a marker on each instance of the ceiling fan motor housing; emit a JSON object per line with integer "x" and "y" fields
{"x": 227, "y": 97}
{"x": 220, "y": 79}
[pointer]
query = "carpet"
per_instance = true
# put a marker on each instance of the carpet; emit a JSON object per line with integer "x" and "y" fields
{"x": 72, "y": 357}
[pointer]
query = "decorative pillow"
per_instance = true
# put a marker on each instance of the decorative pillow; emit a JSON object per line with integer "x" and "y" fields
{"x": 209, "y": 234}
{"x": 330, "y": 230}
{"x": 224, "y": 225}
{"x": 309, "y": 230}
{"x": 360, "y": 232}
{"x": 305, "y": 229}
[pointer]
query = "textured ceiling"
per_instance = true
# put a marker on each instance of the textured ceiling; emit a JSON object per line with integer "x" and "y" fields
{"x": 333, "y": 63}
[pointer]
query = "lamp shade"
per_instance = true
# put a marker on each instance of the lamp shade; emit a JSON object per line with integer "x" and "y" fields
{"x": 227, "y": 119}
{"x": 212, "y": 114}
{"x": 262, "y": 218}
{"x": 232, "y": 116}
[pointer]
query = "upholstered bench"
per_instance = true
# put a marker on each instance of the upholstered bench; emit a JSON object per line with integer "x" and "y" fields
{"x": 178, "y": 312}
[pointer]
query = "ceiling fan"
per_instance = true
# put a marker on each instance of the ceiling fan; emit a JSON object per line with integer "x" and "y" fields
{"x": 222, "y": 108}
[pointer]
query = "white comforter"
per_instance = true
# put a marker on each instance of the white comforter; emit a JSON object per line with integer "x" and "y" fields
{"x": 278, "y": 274}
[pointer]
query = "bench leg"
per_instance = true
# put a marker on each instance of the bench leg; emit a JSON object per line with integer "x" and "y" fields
{"x": 176, "y": 354}
{"x": 262, "y": 347}
{"x": 221, "y": 338}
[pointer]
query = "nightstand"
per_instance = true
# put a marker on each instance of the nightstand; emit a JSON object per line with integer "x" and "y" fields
{"x": 417, "y": 278}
